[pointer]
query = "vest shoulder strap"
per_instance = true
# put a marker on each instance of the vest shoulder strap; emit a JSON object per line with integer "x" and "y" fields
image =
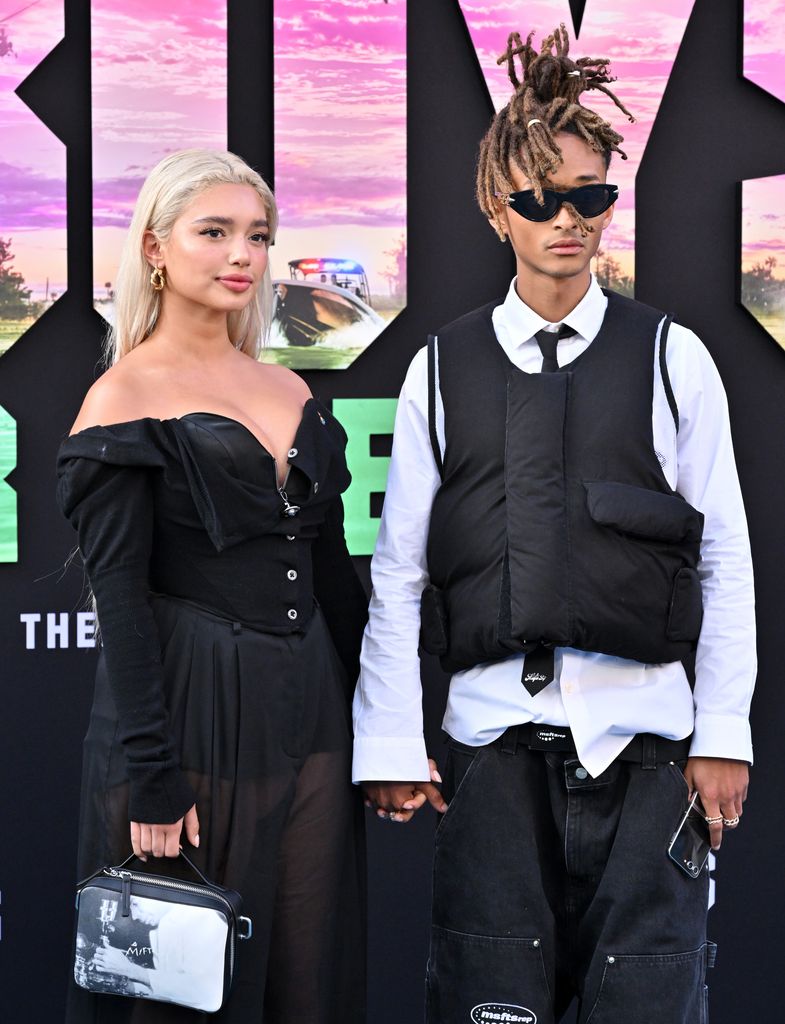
{"x": 665, "y": 321}
{"x": 666, "y": 381}
{"x": 432, "y": 432}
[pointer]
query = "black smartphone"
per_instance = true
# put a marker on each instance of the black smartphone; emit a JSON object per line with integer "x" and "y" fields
{"x": 690, "y": 845}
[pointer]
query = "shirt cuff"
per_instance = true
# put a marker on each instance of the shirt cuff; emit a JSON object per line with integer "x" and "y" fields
{"x": 390, "y": 759}
{"x": 721, "y": 736}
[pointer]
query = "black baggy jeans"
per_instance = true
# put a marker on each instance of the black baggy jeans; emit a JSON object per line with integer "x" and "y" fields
{"x": 549, "y": 885}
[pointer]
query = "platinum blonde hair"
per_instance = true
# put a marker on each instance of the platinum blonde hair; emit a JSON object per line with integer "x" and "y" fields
{"x": 169, "y": 188}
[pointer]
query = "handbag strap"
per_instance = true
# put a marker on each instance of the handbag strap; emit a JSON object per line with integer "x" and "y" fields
{"x": 132, "y": 856}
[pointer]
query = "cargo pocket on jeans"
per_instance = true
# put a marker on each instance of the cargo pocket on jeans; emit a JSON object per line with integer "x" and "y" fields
{"x": 462, "y": 762}
{"x": 653, "y": 989}
{"x": 480, "y": 978}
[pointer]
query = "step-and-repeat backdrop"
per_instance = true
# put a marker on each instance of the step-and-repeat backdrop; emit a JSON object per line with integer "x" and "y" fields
{"x": 365, "y": 115}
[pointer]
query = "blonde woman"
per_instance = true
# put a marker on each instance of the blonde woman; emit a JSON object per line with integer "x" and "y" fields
{"x": 205, "y": 487}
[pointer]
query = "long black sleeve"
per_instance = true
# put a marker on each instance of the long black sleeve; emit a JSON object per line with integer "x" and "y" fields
{"x": 339, "y": 592}
{"x": 111, "y": 508}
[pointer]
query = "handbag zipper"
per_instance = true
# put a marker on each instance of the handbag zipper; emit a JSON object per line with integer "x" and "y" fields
{"x": 132, "y": 876}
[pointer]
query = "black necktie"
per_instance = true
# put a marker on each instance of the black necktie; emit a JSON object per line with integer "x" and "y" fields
{"x": 538, "y": 663}
{"x": 537, "y": 669}
{"x": 548, "y": 340}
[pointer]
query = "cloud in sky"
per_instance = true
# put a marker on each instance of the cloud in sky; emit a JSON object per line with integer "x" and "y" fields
{"x": 763, "y": 203}
{"x": 340, "y": 132}
{"x": 178, "y": 54}
{"x": 33, "y": 33}
{"x": 29, "y": 198}
{"x": 159, "y": 84}
{"x": 764, "y": 42}
{"x": 32, "y": 159}
{"x": 765, "y": 245}
{"x": 342, "y": 199}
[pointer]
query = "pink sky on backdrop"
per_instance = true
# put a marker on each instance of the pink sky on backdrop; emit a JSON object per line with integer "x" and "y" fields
{"x": 763, "y": 222}
{"x": 642, "y": 42}
{"x": 763, "y": 199}
{"x": 764, "y": 42}
{"x": 340, "y": 130}
{"x": 159, "y": 84}
{"x": 32, "y": 159}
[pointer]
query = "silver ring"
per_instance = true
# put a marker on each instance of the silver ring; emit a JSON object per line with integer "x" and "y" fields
{"x": 731, "y": 822}
{"x": 714, "y": 821}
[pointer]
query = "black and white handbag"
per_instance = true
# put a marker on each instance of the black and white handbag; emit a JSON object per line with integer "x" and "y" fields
{"x": 154, "y": 937}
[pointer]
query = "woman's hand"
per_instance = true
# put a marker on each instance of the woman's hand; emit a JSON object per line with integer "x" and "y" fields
{"x": 164, "y": 840}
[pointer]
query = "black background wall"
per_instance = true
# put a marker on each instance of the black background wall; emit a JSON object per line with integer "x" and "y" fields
{"x": 713, "y": 130}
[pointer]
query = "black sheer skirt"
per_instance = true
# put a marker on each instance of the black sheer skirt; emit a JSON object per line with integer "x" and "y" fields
{"x": 264, "y": 733}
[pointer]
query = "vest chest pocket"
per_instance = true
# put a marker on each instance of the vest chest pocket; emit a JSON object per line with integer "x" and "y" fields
{"x": 434, "y": 631}
{"x": 667, "y": 530}
{"x": 641, "y": 512}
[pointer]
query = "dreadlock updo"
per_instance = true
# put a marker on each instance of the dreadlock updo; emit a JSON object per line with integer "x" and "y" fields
{"x": 545, "y": 102}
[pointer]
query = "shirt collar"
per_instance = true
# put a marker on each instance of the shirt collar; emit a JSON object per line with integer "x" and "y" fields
{"x": 586, "y": 318}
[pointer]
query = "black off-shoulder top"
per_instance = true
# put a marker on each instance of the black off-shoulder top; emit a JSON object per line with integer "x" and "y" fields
{"x": 191, "y": 508}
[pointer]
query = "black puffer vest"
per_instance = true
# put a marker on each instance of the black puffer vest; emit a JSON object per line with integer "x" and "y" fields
{"x": 554, "y": 523}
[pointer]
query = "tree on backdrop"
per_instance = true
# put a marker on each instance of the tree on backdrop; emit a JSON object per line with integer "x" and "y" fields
{"x": 761, "y": 290}
{"x": 14, "y": 296}
{"x": 607, "y": 270}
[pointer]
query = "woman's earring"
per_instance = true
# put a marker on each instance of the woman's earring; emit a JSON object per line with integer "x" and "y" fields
{"x": 157, "y": 279}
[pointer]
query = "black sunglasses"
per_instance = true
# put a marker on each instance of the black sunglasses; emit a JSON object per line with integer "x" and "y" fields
{"x": 588, "y": 200}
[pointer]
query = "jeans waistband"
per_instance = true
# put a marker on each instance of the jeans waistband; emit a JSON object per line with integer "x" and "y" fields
{"x": 645, "y": 748}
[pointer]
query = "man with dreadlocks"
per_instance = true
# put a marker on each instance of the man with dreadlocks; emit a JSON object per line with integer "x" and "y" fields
{"x": 562, "y": 479}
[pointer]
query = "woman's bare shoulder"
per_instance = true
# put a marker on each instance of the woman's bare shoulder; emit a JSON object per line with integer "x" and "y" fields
{"x": 116, "y": 397}
{"x": 271, "y": 374}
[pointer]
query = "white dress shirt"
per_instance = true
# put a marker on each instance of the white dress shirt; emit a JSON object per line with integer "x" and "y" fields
{"x": 604, "y": 700}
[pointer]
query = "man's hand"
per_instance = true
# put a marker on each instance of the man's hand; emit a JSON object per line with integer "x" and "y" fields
{"x": 398, "y": 801}
{"x": 722, "y": 788}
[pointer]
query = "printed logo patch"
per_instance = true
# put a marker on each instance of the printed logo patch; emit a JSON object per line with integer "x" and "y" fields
{"x": 505, "y": 1013}
{"x": 549, "y": 735}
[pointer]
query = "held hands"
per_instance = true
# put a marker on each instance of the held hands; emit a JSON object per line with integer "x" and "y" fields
{"x": 164, "y": 840}
{"x": 398, "y": 801}
{"x": 722, "y": 787}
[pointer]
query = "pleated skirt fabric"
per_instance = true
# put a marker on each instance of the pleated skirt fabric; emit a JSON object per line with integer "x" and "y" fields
{"x": 263, "y": 728}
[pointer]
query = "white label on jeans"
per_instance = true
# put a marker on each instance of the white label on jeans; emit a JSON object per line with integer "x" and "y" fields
{"x": 505, "y": 1013}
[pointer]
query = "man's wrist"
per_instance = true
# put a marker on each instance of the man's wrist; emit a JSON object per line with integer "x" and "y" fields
{"x": 722, "y": 736}
{"x": 390, "y": 758}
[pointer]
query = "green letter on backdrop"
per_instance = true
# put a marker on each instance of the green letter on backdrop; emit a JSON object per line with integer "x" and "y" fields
{"x": 8, "y": 550}
{"x": 362, "y": 417}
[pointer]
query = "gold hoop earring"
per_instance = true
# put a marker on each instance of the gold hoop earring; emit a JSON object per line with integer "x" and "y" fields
{"x": 157, "y": 279}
